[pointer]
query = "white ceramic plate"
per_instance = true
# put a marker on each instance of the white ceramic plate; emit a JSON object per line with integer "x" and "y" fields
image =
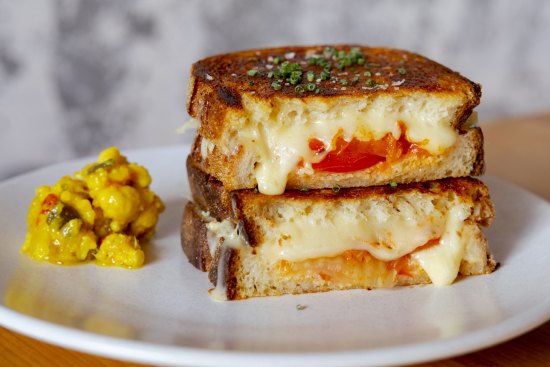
{"x": 162, "y": 313}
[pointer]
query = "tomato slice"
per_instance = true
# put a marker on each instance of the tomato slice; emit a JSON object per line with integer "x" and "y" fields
{"x": 316, "y": 145}
{"x": 355, "y": 155}
{"x": 349, "y": 156}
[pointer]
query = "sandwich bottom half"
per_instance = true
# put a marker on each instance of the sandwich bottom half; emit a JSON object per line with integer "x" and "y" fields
{"x": 335, "y": 239}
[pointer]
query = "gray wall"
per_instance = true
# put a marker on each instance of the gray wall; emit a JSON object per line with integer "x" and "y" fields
{"x": 80, "y": 75}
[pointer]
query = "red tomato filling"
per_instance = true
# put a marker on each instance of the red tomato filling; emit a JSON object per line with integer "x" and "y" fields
{"x": 355, "y": 155}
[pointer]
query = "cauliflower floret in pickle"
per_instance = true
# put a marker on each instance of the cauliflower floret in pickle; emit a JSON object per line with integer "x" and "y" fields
{"x": 100, "y": 214}
{"x": 120, "y": 250}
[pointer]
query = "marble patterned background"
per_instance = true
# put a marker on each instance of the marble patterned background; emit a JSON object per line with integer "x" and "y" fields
{"x": 79, "y": 75}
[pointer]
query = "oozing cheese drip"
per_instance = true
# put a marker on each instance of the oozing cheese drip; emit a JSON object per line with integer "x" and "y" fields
{"x": 442, "y": 262}
{"x": 225, "y": 235}
{"x": 280, "y": 141}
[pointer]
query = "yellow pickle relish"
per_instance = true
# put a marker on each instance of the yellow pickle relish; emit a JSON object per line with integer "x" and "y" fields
{"x": 101, "y": 214}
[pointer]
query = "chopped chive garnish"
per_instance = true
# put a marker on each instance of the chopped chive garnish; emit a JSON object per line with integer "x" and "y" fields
{"x": 270, "y": 74}
{"x": 393, "y": 184}
{"x": 301, "y": 307}
{"x": 330, "y": 50}
{"x": 324, "y": 75}
{"x": 310, "y": 76}
{"x": 312, "y": 60}
{"x": 310, "y": 87}
{"x": 401, "y": 70}
{"x": 355, "y": 80}
{"x": 343, "y": 82}
{"x": 371, "y": 82}
{"x": 276, "y": 60}
{"x": 276, "y": 85}
{"x": 252, "y": 72}
{"x": 251, "y": 83}
{"x": 367, "y": 73}
{"x": 336, "y": 188}
{"x": 317, "y": 91}
{"x": 299, "y": 88}
{"x": 304, "y": 189}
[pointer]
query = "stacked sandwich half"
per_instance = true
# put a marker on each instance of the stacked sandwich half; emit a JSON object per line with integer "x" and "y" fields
{"x": 324, "y": 168}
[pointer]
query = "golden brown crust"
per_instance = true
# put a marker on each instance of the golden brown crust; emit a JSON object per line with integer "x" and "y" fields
{"x": 241, "y": 205}
{"x": 227, "y": 74}
{"x": 193, "y": 238}
{"x": 218, "y": 83}
{"x": 208, "y": 192}
{"x": 223, "y": 167}
{"x": 208, "y": 103}
{"x": 211, "y": 196}
{"x": 478, "y": 168}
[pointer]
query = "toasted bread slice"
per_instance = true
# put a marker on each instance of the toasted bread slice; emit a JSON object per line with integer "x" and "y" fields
{"x": 275, "y": 113}
{"x": 464, "y": 158}
{"x": 258, "y": 245}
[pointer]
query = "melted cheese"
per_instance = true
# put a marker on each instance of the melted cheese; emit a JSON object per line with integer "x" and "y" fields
{"x": 206, "y": 148}
{"x": 225, "y": 235}
{"x": 191, "y": 124}
{"x": 442, "y": 262}
{"x": 280, "y": 140}
{"x": 386, "y": 238}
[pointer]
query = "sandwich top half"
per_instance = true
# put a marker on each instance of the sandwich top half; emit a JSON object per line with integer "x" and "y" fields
{"x": 326, "y": 116}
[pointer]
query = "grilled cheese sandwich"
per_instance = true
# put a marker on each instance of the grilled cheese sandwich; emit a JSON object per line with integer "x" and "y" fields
{"x": 251, "y": 137}
{"x": 354, "y": 238}
{"x": 320, "y": 168}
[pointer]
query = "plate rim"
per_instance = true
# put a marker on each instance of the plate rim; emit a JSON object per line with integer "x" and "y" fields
{"x": 167, "y": 355}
